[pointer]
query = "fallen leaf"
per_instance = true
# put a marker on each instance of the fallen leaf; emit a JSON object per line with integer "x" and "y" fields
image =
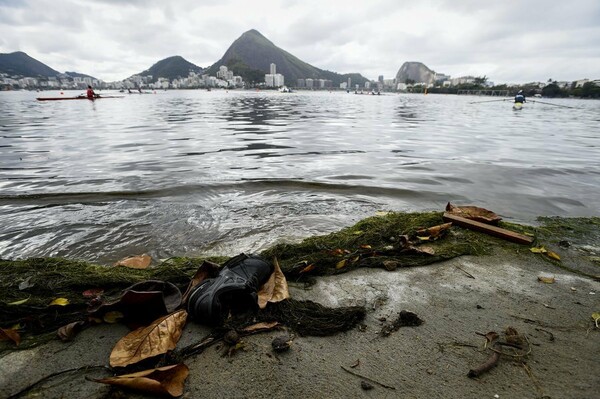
{"x": 308, "y": 268}
{"x": 357, "y": 232}
{"x": 112, "y": 317}
{"x": 22, "y": 301}
{"x": 538, "y": 250}
{"x": 93, "y": 292}
{"x": 425, "y": 250}
{"x": 275, "y": 289}
{"x": 365, "y": 246}
{"x": 59, "y": 302}
{"x": 434, "y": 232}
{"x": 263, "y": 326}
{"x": 596, "y": 318}
{"x": 546, "y": 280}
{"x": 340, "y": 264}
{"x": 423, "y": 238}
{"x": 474, "y": 213}
{"x": 491, "y": 336}
{"x": 26, "y": 284}
{"x": 206, "y": 270}
{"x": 135, "y": 262}
{"x": 10, "y": 334}
{"x": 156, "y": 339}
{"x": 553, "y": 255}
{"x": 164, "y": 380}
{"x": 68, "y": 332}
{"x": 337, "y": 252}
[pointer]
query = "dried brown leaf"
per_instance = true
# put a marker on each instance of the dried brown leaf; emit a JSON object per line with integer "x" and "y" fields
{"x": 434, "y": 232}
{"x": 308, "y": 268}
{"x": 156, "y": 339}
{"x": 275, "y": 289}
{"x": 263, "y": 326}
{"x": 135, "y": 262}
{"x": 474, "y": 213}
{"x": 68, "y": 332}
{"x": 546, "y": 279}
{"x": 425, "y": 250}
{"x": 10, "y": 334}
{"x": 167, "y": 380}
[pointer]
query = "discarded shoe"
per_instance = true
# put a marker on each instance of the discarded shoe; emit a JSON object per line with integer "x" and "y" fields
{"x": 233, "y": 290}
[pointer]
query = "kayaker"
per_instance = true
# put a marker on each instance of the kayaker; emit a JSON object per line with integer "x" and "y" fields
{"x": 520, "y": 97}
{"x": 90, "y": 93}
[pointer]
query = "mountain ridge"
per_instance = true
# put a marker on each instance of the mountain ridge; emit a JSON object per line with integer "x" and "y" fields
{"x": 21, "y": 64}
{"x": 252, "y": 52}
{"x": 173, "y": 67}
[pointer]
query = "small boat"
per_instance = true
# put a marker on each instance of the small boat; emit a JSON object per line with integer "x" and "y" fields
{"x": 518, "y": 106}
{"x": 75, "y": 98}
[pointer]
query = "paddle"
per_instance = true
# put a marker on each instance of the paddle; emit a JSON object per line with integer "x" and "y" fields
{"x": 488, "y": 101}
{"x": 556, "y": 105}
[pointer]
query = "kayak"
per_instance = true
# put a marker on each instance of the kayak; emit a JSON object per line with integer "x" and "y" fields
{"x": 518, "y": 106}
{"x": 74, "y": 98}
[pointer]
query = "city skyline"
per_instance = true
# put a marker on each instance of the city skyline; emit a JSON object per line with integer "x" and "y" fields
{"x": 508, "y": 41}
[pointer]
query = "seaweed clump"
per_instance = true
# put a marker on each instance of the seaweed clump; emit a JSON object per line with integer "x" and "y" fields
{"x": 374, "y": 242}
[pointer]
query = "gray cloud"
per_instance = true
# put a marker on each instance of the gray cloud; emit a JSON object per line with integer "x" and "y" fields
{"x": 511, "y": 41}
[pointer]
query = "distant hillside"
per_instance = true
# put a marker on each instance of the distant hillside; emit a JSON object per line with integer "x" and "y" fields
{"x": 78, "y": 75}
{"x": 416, "y": 72}
{"x": 171, "y": 68}
{"x": 251, "y": 55}
{"x": 19, "y": 63}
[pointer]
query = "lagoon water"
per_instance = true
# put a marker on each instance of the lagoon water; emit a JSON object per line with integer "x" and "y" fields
{"x": 188, "y": 172}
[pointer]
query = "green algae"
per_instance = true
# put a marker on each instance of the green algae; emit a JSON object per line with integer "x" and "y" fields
{"x": 372, "y": 242}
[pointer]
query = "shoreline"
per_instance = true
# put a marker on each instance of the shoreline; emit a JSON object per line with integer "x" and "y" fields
{"x": 457, "y": 298}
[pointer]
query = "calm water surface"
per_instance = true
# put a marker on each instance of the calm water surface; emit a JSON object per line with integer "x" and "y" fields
{"x": 189, "y": 172}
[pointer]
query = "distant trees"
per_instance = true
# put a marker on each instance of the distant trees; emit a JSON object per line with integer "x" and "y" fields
{"x": 552, "y": 90}
{"x": 480, "y": 80}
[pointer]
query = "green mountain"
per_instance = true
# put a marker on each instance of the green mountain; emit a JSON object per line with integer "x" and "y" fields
{"x": 251, "y": 55}
{"x": 171, "y": 68}
{"x": 19, "y": 63}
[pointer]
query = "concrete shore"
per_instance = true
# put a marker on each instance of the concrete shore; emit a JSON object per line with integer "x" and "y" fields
{"x": 457, "y": 299}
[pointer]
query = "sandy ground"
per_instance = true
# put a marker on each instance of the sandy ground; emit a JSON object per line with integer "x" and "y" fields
{"x": 428, "y": 361}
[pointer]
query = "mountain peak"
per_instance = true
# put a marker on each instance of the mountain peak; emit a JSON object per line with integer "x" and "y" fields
{"x": 19, "y": 63}
{"x": 171, "y": 68}
{"x": 251, "y": 55}
{"x": 252, "y": 32}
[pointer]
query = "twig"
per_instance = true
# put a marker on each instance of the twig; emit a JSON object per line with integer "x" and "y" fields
{"x": 490, "y": 363}
{"x": 537, "y": 384}
{"x": 30, "y": 387}
{"x": 367, "y": 378}
{"x": 465, "y": 272}
{"x": 547, "y": 332}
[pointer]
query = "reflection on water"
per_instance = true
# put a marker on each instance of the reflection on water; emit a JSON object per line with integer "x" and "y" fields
{"x": 185, "y": 172}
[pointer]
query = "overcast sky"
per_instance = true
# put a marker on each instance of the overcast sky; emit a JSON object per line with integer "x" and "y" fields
{"x": 509, "y": 41}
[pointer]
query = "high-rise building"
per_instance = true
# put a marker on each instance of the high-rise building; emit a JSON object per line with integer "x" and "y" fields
{"x": 273, "y": 69}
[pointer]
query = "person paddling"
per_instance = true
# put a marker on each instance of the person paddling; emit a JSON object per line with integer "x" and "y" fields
{"x": 90, "y": 93}
{"x": 520, "y": 97}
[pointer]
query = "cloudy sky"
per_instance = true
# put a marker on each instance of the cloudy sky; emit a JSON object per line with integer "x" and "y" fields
{"x": 509, "y": 41}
